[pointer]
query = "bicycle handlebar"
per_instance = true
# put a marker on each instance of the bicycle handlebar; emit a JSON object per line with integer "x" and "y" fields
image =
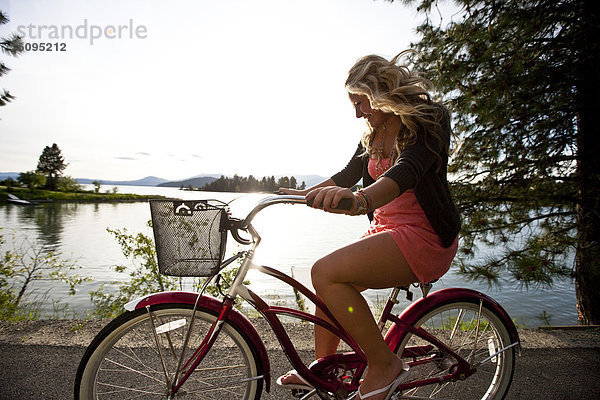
{"x": 237, "y": 225}
{"x": 269, "y": 201}
{"x": 344, "y": 204}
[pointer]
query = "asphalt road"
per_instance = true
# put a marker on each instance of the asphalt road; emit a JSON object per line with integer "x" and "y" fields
{"x": 47, "y": 372}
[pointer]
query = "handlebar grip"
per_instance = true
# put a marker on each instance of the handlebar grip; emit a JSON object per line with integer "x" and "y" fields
{"x": 235, "y": 233}
{"x": 344, "y": 204}
{"x": 234, "y": 226}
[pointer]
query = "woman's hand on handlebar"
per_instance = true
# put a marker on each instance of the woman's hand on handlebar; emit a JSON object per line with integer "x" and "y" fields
{"x": 329, "y": 199}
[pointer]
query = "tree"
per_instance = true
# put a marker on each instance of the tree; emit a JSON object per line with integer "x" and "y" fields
{"x": 32, "y": 179}
{"x": 97, "y": 186}
{"x": 52, "y": 164}
{"x": 144, "y": 276}
{"x": 521, "y": 79}
{"x": 9, "y": 183}
{"x": 23, "y": 266}
{"x": 248, "y": 184}
{"x": 13, "y": 46}
{"x": 67, "y": 184}
{"x": 284, "y": 182}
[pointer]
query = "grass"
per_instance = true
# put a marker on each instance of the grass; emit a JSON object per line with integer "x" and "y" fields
{"x": 41, "y": 195}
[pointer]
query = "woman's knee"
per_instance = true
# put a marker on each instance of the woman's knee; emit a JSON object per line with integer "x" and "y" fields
{"x": 321, "y": 274}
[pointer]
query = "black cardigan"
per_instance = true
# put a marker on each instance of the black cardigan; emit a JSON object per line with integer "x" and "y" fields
{"x": 416, "y": 169}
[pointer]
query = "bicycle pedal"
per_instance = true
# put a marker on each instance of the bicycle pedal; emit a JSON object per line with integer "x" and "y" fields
{"x": 396, "y": 396}
{"x": 299, "y": 393}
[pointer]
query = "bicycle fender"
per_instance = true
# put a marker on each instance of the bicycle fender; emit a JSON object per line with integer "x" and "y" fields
{"x": 410, "y": 314}
{"x": 211, "y": 303}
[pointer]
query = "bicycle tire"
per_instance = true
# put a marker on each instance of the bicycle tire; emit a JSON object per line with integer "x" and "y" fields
{"x": 123, "y": 360}
{"x": 492, "y": 379}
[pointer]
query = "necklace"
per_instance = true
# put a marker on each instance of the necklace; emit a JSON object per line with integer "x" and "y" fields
{"x": 379, "y": 151}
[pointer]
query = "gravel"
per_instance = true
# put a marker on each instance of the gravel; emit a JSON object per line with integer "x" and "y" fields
{"x": 39, "y": 359}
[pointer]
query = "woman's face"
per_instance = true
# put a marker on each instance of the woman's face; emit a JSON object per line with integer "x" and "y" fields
{"x": 375, "y": 118}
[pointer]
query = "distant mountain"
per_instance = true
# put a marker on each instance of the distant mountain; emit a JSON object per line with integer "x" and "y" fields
{"x": 6, "y": 175}
{"x": 147, "y": 181}
{"x": 196, "y": 182}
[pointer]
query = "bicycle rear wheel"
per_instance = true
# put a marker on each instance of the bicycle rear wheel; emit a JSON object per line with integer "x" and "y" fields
{"x": 124, "y": 361}
{"x": 472, "y": 336}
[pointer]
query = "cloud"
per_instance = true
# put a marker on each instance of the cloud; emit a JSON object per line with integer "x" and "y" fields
{"x": 143, "y": 153}
{"x": 126, "y": 158}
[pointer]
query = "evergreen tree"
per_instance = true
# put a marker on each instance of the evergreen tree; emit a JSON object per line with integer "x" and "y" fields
{"x": 284, "y": 182}
{"x": 249, "y": 184}
{"x": 521, "y": 79}
{"x": 12, "y": 45}
{"x": 51, "y": 164}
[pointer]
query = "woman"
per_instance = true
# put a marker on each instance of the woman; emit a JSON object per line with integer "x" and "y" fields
{"x": 402, "y": 159}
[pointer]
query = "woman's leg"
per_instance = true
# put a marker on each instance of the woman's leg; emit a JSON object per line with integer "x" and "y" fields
{"x": 326, "y": 343}
{"x": 374, "y": 262}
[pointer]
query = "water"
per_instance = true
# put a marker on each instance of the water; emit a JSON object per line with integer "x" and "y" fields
{"x": 293, "y": 237}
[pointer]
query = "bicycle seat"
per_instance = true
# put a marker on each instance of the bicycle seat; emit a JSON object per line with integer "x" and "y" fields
{"x": 426, "y": 287}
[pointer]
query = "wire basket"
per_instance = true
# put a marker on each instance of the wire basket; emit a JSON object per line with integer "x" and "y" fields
{"x": 190, "y": 236}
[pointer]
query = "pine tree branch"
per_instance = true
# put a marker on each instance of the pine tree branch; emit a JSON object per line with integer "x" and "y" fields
{"x": 12, "y": 45}
{"x": 523, "y": 223}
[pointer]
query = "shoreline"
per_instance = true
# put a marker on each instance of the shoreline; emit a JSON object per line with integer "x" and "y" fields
{"x": 41, "y": 196}
{"x": 81, "y": 332}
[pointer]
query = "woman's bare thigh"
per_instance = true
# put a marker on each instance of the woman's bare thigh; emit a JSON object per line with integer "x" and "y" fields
{"x": 373, "y": 262}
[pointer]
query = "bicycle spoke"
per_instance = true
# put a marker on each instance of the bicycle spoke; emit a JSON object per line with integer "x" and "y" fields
{"x": 132, "y": 370}
{"x": 473, "y": 333}
{"x": 127, "y": 389}
{"x": 134, "y": 359}
{"x": 129, "y": 366}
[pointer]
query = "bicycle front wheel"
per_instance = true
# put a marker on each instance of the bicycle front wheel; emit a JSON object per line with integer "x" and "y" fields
{"x": 473, "y": 335}
{"x": 135, "y": 357}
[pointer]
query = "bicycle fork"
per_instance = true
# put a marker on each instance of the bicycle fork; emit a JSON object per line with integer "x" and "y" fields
{"x": 185, "y": 369}
{"x": 173, "y": 383}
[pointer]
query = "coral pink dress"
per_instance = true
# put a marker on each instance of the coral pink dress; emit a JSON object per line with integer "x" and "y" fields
{"x": 404, "y": 219}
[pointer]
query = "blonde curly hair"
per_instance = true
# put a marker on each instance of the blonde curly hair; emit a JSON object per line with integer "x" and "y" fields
{"x": 393, "y": 88}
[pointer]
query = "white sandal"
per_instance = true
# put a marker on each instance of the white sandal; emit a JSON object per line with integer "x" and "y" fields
{"x": 303, "y": 386}
{"x": 389, "y": 389}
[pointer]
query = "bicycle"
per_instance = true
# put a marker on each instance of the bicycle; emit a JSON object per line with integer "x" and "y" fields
{"x": 459, "y": 343}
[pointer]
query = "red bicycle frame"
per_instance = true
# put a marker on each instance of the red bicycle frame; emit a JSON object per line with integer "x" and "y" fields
{"x": 401, "y": 325}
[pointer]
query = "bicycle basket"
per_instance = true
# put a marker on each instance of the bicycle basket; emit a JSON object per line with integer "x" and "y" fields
{"x": 190, "y": 236}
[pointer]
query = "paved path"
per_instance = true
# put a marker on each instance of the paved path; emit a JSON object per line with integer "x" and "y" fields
{"x": 554, "y": 365}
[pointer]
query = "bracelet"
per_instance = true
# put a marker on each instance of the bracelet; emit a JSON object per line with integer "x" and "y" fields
{"x": 362, "y": 203}
{"x": 367, "y": 198}
{"x": 361, "y": 206}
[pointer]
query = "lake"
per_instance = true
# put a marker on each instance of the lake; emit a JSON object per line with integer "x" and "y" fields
{"x": 293, "y": 237}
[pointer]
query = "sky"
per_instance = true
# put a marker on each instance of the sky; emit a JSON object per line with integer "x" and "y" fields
{"x": 182, "y": 88}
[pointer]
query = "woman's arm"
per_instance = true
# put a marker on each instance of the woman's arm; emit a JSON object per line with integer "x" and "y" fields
{"x": 405, "y": 174}
{"x": 352, "y": 172}
{"x": 327, "y": 198}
